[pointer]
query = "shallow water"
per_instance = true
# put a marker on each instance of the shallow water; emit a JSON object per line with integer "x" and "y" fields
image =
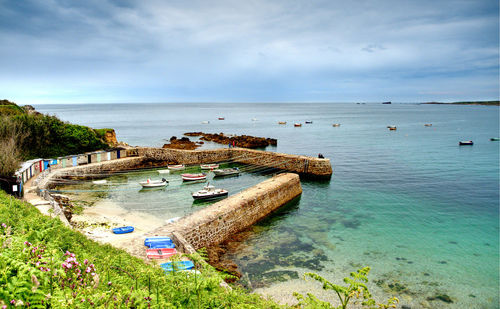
{"x": 412, "y": 204}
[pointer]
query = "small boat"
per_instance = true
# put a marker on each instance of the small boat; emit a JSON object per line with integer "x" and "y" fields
{"x": 194, "y": 177}
{"x": 205, "y": 122}
{"x": 336, "y": 125}
{"x": 209, "y": 192}
{"x": 495, "y": 139}
{"x": 465, "y": 143}
{"x": 177, "y": 167}
{"x": 297, "y": 124}
{"x": 309, "y": 122}
{"x": 154, "y": 183}
{"x": 226, "y": 172}
{"x": 281, "y": 122}
{"x": 172, "y": 220}
{"x": 254, "y": 119}
{"x": 428, "y": 125}
{"x": 221, "y": 118}
{"x": 161, "y": 245}
{"x": 99, "y": 182}
{"x": 178, "y": 265}
{"x": 163, "y": 171}
{"x": 157, "y": 239}
{"x": 392, "y": 128}
{"x": 123, "y": 230}
{"x": 161, "y": 253}
{"x": 209, "y": 166}
{"x": 388, "y": 102}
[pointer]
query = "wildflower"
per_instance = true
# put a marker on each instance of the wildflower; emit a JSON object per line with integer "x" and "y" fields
{"x": 87, "y": 270}
{"x": 85, "y": 261}
{"x": 4, "y": 225}
{"x": 4, "y": 306}
{"x": 13, "y": 301}
{"x": 110, "y": 283}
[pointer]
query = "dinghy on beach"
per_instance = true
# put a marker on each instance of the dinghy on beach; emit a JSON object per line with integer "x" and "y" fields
{"x": 123, "y": 230}
{"x": 161, "y": 253}
{"x": 178, "y": 265}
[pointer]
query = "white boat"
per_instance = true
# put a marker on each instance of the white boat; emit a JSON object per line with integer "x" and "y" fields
{"x": 172, "y": 220}
{"x": 205, "y": 122}
{"x": 336, "y": 125}
{"x": 177, "y": 167}
{"x": 209, "y": 166}
{"x": 254, "y": 119}
{"x": 154, "y": 183}
{"x": 163, "y": 171}
{"x": 99, "y": 182}
{"x": 194, "y": 177}
{"x": 226, "y": 172}
{"x": 209, "y": 192}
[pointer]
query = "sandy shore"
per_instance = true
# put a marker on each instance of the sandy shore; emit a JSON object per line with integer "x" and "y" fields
{"x": 104, "y": 215}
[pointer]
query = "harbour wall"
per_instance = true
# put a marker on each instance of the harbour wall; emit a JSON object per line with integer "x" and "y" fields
{"x": 307, "y": 166}
{"x": 213, "y": 225}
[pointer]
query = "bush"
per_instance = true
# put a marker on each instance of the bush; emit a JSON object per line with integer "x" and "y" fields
{"x": 45, "y": 264}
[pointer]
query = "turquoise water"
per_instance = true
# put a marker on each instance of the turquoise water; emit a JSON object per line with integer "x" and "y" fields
{"x": 422, "y": 211}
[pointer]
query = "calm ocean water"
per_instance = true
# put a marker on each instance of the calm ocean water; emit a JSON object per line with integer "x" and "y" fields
{"x": 422, "y": 211}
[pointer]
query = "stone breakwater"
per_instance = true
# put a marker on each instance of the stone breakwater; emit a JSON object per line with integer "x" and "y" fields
{"x": 215, "y": 224}
{"x": 307, "y": 166}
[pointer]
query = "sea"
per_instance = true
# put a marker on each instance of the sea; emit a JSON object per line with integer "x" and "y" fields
{"x": 421, "y": 211}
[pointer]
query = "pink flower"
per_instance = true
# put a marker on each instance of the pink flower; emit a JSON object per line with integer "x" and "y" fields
{"x": 109, "y": 283}
{"x": 4, "y": 306}
{"x": 13, "y": 301}
{"x": 85, "y": 261}
{"x": 4, "y": 225}
{"x": 87, "y": 270}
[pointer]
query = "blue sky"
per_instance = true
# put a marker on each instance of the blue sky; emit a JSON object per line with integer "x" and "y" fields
{"x": 61, "y": 51}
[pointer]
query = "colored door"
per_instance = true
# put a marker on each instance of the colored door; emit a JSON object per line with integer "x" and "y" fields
{"x": 99, "y": 157}
{"x": 109, "y": 155}
{"x": 118, "y": 154}
{"x": 74, "y": 161}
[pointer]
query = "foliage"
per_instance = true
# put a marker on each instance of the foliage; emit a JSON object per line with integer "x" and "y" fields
{"x": 11, "y": 137}
{"x": 44, "y": 136}
{"x": 45, "y": 264}
{"x": 356, "y": 291}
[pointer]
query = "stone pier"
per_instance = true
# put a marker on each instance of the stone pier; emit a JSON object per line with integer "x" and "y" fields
{"x": 214, "y": 224}
{"x": 303, "y": 165}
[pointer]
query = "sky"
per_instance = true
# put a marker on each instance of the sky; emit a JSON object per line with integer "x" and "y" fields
{"x": 104, "y": 51}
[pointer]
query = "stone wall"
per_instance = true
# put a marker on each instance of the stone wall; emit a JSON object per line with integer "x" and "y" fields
{"x": 213, "y": 225}
{"x": 303, "y": 165}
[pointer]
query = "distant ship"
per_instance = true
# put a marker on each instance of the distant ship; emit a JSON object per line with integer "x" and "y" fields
{"x": 389, "y": 102}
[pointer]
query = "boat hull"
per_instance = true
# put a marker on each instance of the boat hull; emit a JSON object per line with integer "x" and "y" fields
{"x": 178, "y": 265}
{"x": 123, "y": 230}
{"x": 210, "y": 196}
{"x": 162, "y": 253}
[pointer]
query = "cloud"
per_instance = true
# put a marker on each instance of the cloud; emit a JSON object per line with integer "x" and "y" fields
{"x": 244, "y": 50}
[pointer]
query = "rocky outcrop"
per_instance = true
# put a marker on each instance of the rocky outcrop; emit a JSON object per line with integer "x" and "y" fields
{"x": 244, "y": 141}
{"x": 183, "y": 143}
{"x": 110, "y": 137}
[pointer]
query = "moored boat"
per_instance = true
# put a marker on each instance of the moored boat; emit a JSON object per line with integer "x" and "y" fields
{"x": 177, "y": 265}
{"x": 226, "y": 172}
{"x": 495, "y": 139}
{"x": 466, "y": 143}
{"x": 428, "y": 125}
{"x": 194, "y": 177}
{"x": 123, "y": 230}
{"x": 209, "y": 166}
{"x": 297, "y": 124}
{"x": 99, "y": 182}
{"x": 154, "y": 183}
{"x": 281, "y": 122}
{"x": 388, "y": 102}
{"x": 149, "y": 240}
{"x": 177, "y": 167}
{"x": 209, "y": 192}
{"x": 392, "y": 128}
{"x": 221, "y": 118}
{"x": 160, "y": 253}
{"x": 336, "y": 125}
{"x": 163, "y": 171}
{"x": 309, "y": 122}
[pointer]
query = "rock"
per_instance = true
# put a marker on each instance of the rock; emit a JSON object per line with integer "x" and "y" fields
{"x": 183, "y": 143}
{"x": 442, "y": 297}
{"x": 244, "y": 141}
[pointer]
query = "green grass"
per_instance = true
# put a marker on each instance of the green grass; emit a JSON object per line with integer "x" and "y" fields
{"x": 34, "y": 247}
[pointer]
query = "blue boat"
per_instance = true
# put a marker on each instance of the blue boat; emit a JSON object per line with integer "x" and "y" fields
{"x": 161, "y": 245}
{"x": 123, "y": 230}
{"x": 180, "y": 265}
{"x": 149, "y": 240}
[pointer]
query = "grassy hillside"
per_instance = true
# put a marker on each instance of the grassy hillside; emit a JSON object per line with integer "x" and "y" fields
{"x": 47, "y": 265}
{"x": 27, "y": 134}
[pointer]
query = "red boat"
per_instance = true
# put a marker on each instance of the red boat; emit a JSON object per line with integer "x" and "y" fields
{"x": 160, "y": 253}
{"x": 194, "y": 177}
